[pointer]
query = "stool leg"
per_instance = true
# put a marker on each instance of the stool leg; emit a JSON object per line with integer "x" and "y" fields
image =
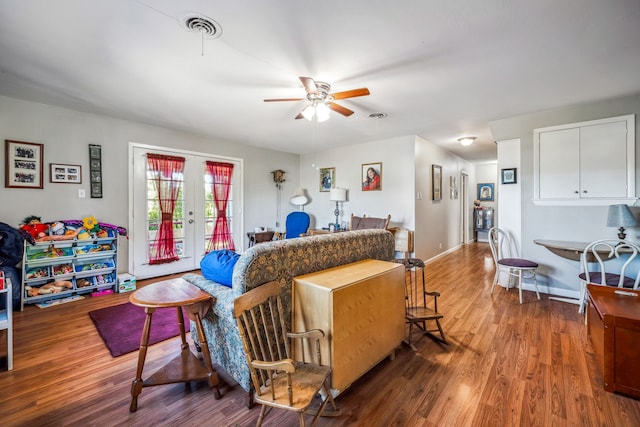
{"x": 138, "y": 383}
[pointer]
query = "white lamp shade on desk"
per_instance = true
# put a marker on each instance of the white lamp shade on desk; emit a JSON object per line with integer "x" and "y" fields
{"x": 338, "y": 194}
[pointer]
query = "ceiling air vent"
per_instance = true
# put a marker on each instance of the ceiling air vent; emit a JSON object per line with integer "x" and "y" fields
{"x": 202, "y": 24}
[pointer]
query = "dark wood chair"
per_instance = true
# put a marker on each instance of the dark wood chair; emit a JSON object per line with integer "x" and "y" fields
{"x": 364, "y": 222}
{"x": 417, "y": 311}
{"x": 278, "y": 381}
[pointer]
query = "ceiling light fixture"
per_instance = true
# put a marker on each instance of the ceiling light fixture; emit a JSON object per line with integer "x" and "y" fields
{"x": 317, "y": 110}
{"x": 467, "y": 140}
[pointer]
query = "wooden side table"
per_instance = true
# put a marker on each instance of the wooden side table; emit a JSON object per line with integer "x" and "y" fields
{"x": 186, "y": 366}
{"x": 613, "y": 322}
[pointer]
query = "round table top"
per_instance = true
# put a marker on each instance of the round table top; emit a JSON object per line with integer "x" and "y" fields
{"x": 168, "y": 293}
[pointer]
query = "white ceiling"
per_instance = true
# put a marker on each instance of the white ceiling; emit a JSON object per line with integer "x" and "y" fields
{"x": 439, "y": 69}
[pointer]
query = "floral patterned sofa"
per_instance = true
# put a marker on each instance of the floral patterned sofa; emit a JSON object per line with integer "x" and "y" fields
{"x": 282, "y": 261}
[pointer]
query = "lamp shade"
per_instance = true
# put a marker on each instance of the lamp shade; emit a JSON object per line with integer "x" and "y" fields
{"x": 338, "y": 194}
{"x": 299, "y": 198}
{"x": 620, "y": 216}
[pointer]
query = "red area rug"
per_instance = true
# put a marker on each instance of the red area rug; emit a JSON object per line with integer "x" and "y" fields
{"x": 121, "y": 326}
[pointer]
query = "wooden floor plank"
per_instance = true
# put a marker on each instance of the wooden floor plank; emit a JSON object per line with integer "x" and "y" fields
{"x": 506, "y": 365}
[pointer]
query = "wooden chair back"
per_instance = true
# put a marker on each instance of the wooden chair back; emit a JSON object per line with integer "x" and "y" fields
{"x": 364, "y": 222}
{"x": 277, "y": 379}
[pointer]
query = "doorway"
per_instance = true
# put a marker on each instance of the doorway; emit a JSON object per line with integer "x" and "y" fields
{"x": 194, "y": 215}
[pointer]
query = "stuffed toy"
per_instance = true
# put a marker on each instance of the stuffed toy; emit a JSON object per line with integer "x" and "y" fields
{"x": 49, "y": 288}
{"x": 33, "y": 225}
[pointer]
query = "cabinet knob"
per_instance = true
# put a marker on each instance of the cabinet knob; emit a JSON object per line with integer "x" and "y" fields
{"x": 577, "y": 192}
{"x": 584, "y": 191}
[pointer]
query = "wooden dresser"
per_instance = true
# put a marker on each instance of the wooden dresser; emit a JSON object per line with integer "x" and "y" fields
{"x": 614, "y": 328}
{"x": 360, "y": 307}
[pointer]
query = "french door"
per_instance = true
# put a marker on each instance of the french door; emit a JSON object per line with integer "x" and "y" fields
{"x": 194, "y": 215}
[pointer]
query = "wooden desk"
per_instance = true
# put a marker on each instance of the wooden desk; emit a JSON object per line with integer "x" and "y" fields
{"x": 186, "y": 366}
{"x": 263, "y": 236}
{"x": 360, "y": 308}
{"x": 613, "y": 322}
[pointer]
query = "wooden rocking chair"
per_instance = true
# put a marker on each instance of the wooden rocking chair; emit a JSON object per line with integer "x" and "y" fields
{"x": 277, "y": 380}
{"x": 417, "y": 312}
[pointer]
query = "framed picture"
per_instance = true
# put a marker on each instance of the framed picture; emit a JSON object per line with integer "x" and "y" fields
{"x": 71, "y": 174}
{"x": 23, "y": 164}
{"x": 372, "y": 176}
{"x": 485, "y": 192}
{"x": 436, "y": 182}
{"x": 509, "y": 176}
{"x": 95, "y": 170}
{"x": 327, "y": 179}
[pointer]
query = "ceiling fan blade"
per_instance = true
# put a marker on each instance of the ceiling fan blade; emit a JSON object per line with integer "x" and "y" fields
{"x": 309, "y": 85}
{"x": 351, "y": 93}
{"x": 340, "y": 109}
{"x": 284, "y": 99}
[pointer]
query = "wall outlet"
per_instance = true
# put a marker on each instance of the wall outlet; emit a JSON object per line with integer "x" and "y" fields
{"x": 81, "y": 194}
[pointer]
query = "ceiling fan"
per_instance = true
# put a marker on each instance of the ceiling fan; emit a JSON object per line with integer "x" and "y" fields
{"x": 321, "y": 100}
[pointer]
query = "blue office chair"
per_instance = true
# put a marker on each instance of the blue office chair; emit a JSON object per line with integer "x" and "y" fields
{"x": 297, "y": 224}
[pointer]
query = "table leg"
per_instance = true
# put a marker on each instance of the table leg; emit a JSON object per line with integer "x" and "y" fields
{"x": 181, "y": 327}
{"x": 196, "y": 312}
{"x": 136, "y": 386}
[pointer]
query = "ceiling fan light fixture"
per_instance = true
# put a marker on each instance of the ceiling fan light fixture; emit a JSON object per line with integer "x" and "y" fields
{"x": 467, "y": 140}
{"x": 322, "y": 112}
{"x": 309, "y": 112}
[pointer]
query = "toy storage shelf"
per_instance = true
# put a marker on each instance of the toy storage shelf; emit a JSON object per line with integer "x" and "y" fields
{"x": 86, "y": 265}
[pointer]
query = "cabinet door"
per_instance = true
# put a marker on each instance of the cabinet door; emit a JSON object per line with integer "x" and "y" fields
{"x": 603, "y": 160}
{"x": 559, "y": 164}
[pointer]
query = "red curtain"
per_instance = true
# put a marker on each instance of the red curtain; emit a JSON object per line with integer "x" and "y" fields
{"x": 167, "y": 176}
{"x": 221, "y": 237}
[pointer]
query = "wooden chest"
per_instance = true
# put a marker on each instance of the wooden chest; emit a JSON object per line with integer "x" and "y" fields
{"x": 360, "y": 307}
{"x": 613, "y": 321}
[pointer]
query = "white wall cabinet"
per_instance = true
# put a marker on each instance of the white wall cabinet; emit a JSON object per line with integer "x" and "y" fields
{"x": 587, "y": 163}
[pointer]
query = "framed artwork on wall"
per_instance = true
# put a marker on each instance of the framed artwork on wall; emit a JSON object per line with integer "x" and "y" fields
{"x": 70, "y": 174}
{"x": 95, "y": 170}
{"x": 436, "y": 182}
{"x": 23, "y": 164}
{"x": 327, "y": 179}
{"x": 485, "y": 192}
{"x": 372, "y": 176}
{"x": 509, "y": 176}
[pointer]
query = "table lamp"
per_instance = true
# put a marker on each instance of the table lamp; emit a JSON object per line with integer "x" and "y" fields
{"x": 621, "y": 216}
{"x": 337, "y": 195}
{"x": 299, "y": 198}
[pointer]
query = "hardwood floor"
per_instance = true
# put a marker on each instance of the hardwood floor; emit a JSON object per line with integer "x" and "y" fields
{"x": 506, "y": 365}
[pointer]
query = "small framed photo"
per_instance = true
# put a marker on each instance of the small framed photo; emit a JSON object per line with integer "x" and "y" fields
{"x": 96, "y": 190}
{"x": 372, "y": 176}
{"x": 327, "y": 179}
{"x": 95, "y": 151}
{"x": 69, "y": 174}
{"x": 23, "y": 164}
{"x": 485, "y": 192}
{"x": 436, "y": 182}
{"x": 509, "y": 176}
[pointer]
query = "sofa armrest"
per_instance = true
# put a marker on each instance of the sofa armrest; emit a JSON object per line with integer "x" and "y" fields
{"x": 223, "y": 296}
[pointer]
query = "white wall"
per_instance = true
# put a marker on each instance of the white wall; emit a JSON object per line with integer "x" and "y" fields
{"x": 395, "y": 198}
{"x": 438, "y": 223}
{"x": 66, "y": 135}
{"x": 582, "y": 224}
{"x": 509, "y": 212}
